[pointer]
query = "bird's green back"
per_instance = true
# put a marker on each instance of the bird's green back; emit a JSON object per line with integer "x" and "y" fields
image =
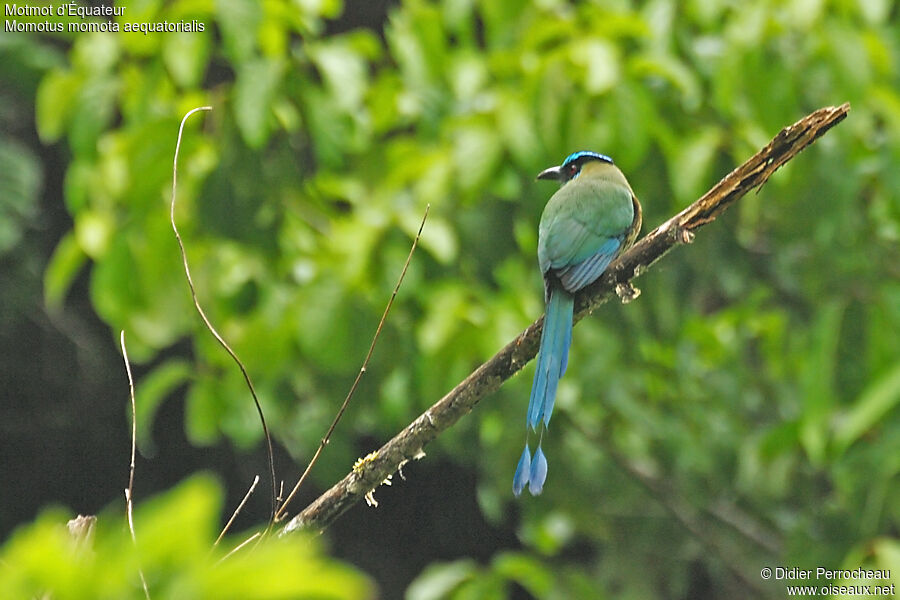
{"x": 584, "y": 216}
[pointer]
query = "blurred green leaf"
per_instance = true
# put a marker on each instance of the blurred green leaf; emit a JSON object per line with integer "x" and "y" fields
{"x": 54, "y": 106}
{"x": 440, "y": 579}
{"x": 441, "y": 239}
{"x": 255, "y": 89}
{"x": 601, "y": 64}
{"x": 529, "y": 572}
{"x": 818, "y": 379}
{"x": 93, "y": 231}
{"x": 886, "y": 552}
{"x": 239, "y": 20}
{"x": 186, "y": 56}
{"x": 150, "y": 391}
{"x": 20, "y": 185}
{"x": 344, "y": 70}
{"x": 691, "y": 164}
{"x": 477, "y": 153}
{"x": 174, "y": 551}
{"x": 879, "y": 398}
{"x": 67, "y": 260}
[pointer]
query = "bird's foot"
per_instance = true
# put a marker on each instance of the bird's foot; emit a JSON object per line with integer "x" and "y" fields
{"x": 627, "y": 292}
{"x": 681, "y": 235}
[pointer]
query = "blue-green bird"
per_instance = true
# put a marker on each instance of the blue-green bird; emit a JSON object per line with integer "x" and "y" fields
{"x": 587, "y": 223}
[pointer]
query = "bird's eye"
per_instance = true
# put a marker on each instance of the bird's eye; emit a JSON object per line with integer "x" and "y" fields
{"x": 572, "y": 169}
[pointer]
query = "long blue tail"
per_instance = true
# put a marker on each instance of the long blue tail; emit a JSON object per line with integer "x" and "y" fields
{"x": 553, "y": 357}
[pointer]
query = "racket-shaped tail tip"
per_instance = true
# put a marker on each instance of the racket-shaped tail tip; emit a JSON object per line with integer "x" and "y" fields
{"x": 523, "y": 472}
{"x": 538, "y": 472}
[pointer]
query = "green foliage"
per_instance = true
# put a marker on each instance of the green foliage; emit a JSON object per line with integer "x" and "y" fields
{"x": 19, "y": 186}
{"x": 757, "y": 371}
{"x": 464, "y": 579}
{"x": 174, "y": 552}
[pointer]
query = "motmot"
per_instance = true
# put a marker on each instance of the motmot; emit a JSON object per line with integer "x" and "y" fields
{"x": 591, "y": 219}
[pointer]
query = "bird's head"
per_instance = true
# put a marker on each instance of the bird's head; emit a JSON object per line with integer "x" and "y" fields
{"x": 571, "y": 167}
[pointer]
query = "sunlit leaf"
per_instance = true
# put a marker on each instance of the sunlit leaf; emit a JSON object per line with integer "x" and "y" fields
{"x": 438, "y": 580}
{"x": 255, "y": 89}
{"x": 54, "y": 105}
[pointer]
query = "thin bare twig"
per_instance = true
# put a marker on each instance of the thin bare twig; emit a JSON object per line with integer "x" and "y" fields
{"x": 236, "y": 511}
{"x": 239, "y": 546}
{"x": 749, "y": 528}
{"x": 209, "y": 326}
{"x": 281, "y": 511}
{"x": 409, "y": 443}
{"x": 129, "y": 491}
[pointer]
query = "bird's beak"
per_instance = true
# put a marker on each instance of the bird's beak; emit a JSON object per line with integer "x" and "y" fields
{"x": 551, "y": 173}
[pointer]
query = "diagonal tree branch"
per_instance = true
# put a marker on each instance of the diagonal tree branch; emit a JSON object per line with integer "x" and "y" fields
{"x": 369, "y": 473}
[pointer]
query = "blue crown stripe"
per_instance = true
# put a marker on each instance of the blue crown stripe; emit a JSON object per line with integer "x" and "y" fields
{"x": 586, "y": 153}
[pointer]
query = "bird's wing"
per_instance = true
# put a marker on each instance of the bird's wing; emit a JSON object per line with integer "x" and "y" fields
{"x": 583, "y": 232}
{"x": 580, "y": 275}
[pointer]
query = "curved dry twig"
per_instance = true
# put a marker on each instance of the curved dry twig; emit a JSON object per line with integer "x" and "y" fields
{"x": 237, "y": 511}
{"x": 129, "y": 491}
